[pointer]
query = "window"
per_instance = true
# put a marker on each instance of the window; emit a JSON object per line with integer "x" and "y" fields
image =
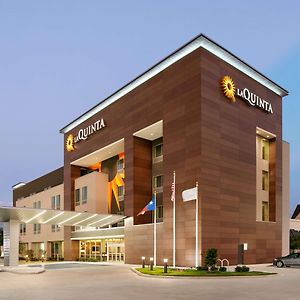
{"x": 265, "y": 211}
{"x": 55, "y": 228}
{"x": 158, "y": 181}
{"x": 22, "y": 229}
{"x": 264, "y": 149}
{"x": 158, "y": 150}
{"x": 159, "y": 212}
{"x": 55, "y": 202}
{"x": 120, "y": 165}
{"x": 84, "y": 194}
{"x": 120, "y": 191}
{"x": 36, "y": 228}
{"x": 265, "y": 180}
{"x": 37, "y": 204}
{"x": 77, "y": 197}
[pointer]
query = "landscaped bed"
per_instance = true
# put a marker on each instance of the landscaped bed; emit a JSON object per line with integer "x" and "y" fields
{"x": 192, "y": 272}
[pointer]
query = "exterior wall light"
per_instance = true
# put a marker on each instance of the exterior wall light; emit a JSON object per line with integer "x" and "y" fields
{"x": 151, "y": 263}
{"x": 245, "y": 246}
{"x": 143, "y": 261}
{"x": 165, "y": 265}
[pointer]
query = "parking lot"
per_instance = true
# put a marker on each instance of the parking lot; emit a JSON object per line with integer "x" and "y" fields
{"x": 119, "y": 282}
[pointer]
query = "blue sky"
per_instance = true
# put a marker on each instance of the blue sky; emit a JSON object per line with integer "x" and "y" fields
{"x": 59, "y": 58}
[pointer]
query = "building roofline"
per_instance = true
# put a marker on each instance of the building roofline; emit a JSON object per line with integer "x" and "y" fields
{"x": 21, "y": 183}
{"x": 200, "y": 41}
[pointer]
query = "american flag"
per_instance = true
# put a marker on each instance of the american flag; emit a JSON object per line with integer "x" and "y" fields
{"x": 173, "y": 188}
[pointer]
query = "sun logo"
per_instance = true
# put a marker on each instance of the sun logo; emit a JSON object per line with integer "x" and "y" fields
{"x": 70, "y": 143}
{"x": 228, "y": 88}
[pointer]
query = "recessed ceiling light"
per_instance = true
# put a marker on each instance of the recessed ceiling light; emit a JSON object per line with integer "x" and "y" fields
{"x": 152, "y": 134}
{"x": 268, "y": 136}
{"x": 257, "y": 131}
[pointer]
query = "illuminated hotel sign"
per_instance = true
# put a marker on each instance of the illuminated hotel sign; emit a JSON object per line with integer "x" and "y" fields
{"x": 230, "y": 91}
{"x": 83, "y": 134}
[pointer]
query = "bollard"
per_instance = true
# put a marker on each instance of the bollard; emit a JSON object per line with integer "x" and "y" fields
{"x": 165, "y": 265}
{"x": 143, "y": 261}
{"x": 151, "y": 263}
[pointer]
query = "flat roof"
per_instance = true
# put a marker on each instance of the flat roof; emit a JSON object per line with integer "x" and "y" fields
{"x": 200, "y": 41}
{"x": 57, "y": 217}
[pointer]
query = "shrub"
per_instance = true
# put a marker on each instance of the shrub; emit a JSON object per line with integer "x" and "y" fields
{"x": 222, "y": 269}
{"x": 213, "y": 269}
{"x": 242, "y": 269}
{"x": 211, "y": 257}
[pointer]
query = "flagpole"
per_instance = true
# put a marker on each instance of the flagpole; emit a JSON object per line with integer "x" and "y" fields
{"x": 174, "y": 224}
{"x": 154, "y": 246}
{"x": 196, "y": 251}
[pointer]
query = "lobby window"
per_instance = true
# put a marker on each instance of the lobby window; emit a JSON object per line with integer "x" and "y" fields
{"x": 265, "y": 180}
{"x": 36, "y": 228}
{"x": 77, "y": 197}
{"x": 265, "y": 149}
{"x": 120, "y": 165}
{"x": 55, "y": 202}
{"x": 55, "y": 228}
{"x": 265, "y": 211}
{"x": 22, "y": 229}
{"x": 84, "y": 194}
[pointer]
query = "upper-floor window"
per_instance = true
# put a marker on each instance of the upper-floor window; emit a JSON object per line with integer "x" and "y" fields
{"x": 159, "y": 212}
{"x": 84, "y": 194}
{"x": 265, "y": 180}
{"x": 120, "y": 165}
{"x": 265, "y": 211}
{"x": 264, "y": 149}
{"x": 120, "y": 191}
{"x": 36, "y": 228}
{"x": 158, "y": 150}
{"x": 158, "y": 181}
{"x": 77, "y": 197}
{"x": 22, "y": 229}
{"x": 55, "y": 228}
{"x": 55, "y": 202}
{"x": 37, "y": 204}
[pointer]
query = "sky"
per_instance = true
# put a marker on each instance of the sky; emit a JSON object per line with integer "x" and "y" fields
{"x": 59, "y": 58}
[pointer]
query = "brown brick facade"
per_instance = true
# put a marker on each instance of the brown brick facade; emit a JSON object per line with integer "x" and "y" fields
{"x": 206, "y": 139}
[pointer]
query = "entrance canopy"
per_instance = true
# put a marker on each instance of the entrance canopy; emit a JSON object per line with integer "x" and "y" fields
{"x": 57, "y": 217}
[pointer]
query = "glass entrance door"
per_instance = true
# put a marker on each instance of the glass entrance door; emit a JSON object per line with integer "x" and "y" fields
{"x": 103, "y": 250}
{"x": 116, "y": 250}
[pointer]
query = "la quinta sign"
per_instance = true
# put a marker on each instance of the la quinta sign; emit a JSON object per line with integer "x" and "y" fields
{"x": 83, "y": 134}
{"x": 230, "y": 92}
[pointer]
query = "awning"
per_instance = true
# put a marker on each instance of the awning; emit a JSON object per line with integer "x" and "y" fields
{"x": 58, "y": 217}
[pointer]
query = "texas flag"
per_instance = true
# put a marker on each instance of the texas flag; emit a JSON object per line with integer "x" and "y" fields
{"x": 149, "y": 207}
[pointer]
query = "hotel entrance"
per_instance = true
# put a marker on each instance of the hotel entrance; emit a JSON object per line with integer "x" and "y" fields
{"x": 112, "y": 250}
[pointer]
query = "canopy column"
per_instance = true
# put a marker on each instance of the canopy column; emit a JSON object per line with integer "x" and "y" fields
{"x": 11, "y": 231}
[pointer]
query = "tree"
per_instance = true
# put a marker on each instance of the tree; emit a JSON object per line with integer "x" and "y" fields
{"x": 211, "y": 258}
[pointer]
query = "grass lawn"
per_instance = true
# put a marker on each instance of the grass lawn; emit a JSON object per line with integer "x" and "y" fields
{"x": 191, "y": 272}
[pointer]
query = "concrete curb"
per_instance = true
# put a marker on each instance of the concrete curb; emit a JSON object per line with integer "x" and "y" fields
{"x": 23, "y": 270}
{"x": 198, "y": 277}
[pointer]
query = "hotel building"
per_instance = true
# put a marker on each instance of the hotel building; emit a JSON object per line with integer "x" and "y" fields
{"x": 201, "y": 112}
